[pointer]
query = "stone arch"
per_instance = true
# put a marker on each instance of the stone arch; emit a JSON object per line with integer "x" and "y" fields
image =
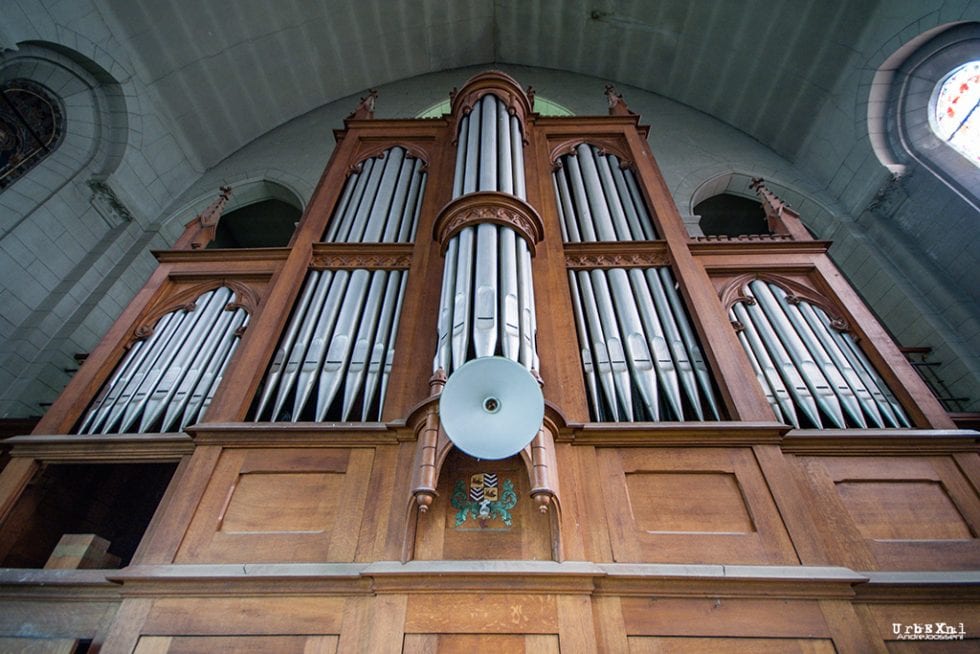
{"x": 244, "y": 193}
{"x": 94, "y": 139}
{"x": 815, "y": 215}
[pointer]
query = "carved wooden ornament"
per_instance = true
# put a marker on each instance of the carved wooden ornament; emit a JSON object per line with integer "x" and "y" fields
{"x": 488, "y": 207}
{"x": 796, "y": 291}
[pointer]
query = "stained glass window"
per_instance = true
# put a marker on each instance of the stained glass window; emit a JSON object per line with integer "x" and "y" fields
{"x": 31, "y": 126}
{"x": 955, "y": 118}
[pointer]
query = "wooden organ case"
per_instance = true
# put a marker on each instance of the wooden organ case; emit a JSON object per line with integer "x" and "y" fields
{"x": 734, "y": 454}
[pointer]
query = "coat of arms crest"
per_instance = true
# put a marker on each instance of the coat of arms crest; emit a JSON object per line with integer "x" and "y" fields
{"x": 485, "y": 501}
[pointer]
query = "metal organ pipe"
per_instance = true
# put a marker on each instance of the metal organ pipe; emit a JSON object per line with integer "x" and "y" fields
{"x": 636, "y": 339}
{"x": 158, "y": 384}
{"x": 487, "y": 303}
{"x": 333, "y": 359}
{"x": 808, "y": 365}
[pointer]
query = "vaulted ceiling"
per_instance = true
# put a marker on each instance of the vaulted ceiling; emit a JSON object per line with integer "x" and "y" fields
{"x": 227, "y": 72}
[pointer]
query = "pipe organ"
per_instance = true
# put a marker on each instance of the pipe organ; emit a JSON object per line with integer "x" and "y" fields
{"x": 733, "y": 453}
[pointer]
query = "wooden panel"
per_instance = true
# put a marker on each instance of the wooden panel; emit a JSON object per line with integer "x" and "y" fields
{"x": 646, "y": 645}
{"x": 687, "y": 502}
{"x": 214, "y": 616}
{"x": 284, "y": 502}
{"x": 916, "y": 513}
{"x": 691, "y": 505}
{"x": 240, "y": 644}
{"x": 482, "y": 613}
{"x": 280, "y": 505}
{"x": 734, "y": 618}
{"x": 909, "y": 510}
{"x": 470, "y": 643}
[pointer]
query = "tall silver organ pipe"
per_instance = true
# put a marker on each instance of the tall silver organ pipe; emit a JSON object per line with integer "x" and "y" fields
{"x": 333, "y": 360}
{"x": 166, "y": 381}
{"x": 599, "y": 200}
{"x": 487, "y": 302}
{"x": 812, "y": 374}
{"x": 640, "y": 355}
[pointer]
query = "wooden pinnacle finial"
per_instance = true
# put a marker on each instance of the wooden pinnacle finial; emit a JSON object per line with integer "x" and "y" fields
{"x": 617, "y": 105}
{"x": 201, "y": 230}
{"x": 780, "y": 217}
{"x": 365, "y": 109}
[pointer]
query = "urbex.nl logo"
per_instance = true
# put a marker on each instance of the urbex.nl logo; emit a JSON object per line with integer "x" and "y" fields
{"x": 928, "y": 631}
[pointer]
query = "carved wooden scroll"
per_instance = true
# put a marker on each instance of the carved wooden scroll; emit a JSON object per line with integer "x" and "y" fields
{"x": 366, "y": 256}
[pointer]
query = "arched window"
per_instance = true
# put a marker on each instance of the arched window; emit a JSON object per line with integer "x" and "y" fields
{"x": 922, "y": 108}
{"x": 32, "y": 124}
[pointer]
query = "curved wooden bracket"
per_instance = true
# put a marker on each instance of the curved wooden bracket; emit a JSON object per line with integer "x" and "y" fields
{"x": 488, "y": 207}
{"x": 734, "y": 292}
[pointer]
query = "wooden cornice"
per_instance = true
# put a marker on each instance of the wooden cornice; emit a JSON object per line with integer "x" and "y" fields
{"x": 731, "y": 581}
{"x": 103, "y": 448}
{"x": 616, "y": 254}
{"x": 560, "y": 126}
{"x": 880, "y": 441}
{"x": 23, "y": 585}
{"x": 708, "y": 248}
{"x": 493, "y": 577}
{"x": 674, "y": 434}
{"x": 300, "y": 434}
{"x": 371, "y": 256}
{"x": 916, "y": 587}
{"x": 221, "y": 255}
{"x": 211, "y": 580}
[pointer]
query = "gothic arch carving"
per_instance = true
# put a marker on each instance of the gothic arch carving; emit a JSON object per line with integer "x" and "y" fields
{"x": 246, "y": 297}
{"x": 604, "y": 144}
{"x": 734, "y": 291}
{"x": 373, "y": 150}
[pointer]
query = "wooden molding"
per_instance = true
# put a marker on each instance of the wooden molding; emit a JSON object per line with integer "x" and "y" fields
{"x": 672, "y": 434}
{"x": 729, "y": 581}
{"x": 488, "y": 207}
{"x": 221, "y": 255}
{"x": 299, "y": 434}
{"x": 628, "y": 254}
{"x": 880, "y": 441}
{"x": 919, "y": 587}
{"x": 370, "y": 256}
{"x": 103, "y": 448}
